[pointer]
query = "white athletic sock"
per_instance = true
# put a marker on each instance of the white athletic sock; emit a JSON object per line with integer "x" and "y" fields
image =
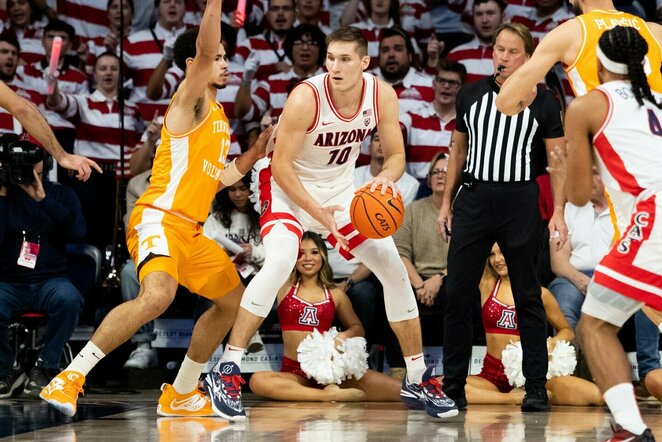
{"x": 415, "y": 368}
{"x": 187, "y": 376}
{"x": 145, "y": 345}
{"x": 233, "y": 354}
{"x": 623, "y": 406}
{"x": 85, "y": 361}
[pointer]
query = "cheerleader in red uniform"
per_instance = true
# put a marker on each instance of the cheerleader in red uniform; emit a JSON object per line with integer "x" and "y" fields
{"x": 309, "y": 301}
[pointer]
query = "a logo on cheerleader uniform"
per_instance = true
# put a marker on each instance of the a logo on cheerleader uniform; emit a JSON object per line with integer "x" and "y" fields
{"x": 636, "y": 232}
{"x": 309, "y": 316}
{"x": 508, "y": 320}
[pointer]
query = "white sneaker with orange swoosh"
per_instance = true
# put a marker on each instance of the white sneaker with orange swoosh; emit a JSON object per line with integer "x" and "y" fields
{"x": 172, "y": 403}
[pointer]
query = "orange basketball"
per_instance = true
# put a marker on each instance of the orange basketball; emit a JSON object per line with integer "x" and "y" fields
{"x": 375, "y": 215}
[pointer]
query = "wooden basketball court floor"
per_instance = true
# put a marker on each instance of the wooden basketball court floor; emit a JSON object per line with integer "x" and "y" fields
{"x": 131, "y": 416}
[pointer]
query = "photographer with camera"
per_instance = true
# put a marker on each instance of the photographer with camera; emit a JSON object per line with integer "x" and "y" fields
{"x": 37, "y": 219}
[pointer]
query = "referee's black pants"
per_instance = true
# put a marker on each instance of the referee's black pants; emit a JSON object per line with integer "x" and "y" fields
{"x": 483, "y": 214}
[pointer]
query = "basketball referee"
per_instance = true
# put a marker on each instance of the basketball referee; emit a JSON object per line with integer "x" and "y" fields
{"x": 494, "y": 162}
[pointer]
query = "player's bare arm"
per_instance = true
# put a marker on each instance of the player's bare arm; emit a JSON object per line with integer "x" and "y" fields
{"x": 561, "y": 44}
{"x": 296, "y": 119}
{"x": 191, "y": 103}
{"x": 391, "y": 136}
{"x": 582, "y": 120}
{"x": 35, "y": 124}
{"x": 458, "y": 156}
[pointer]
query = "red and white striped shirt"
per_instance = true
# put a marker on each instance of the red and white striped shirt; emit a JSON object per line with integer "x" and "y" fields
{"x": 373, "y": 33}
{"x": 88, "y": 17}
{"x": 70, "y": 81}
{"x": 142, "y": 53}
{"x": 98, "y": 126}
{"x": 476, "y": 57}
{"x": 514, "y": 8}
{"x": 427, "y": 134}
{"x": 269, "y": 49}
{"x": 413, "y": 91}
{"x": 415, "y": 19}
{"x": 271, "y": 94}
{"x": 30, "y": 40}
{"x": 9, "y": 124}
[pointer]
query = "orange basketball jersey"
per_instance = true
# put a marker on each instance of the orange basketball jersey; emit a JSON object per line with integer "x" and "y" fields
{"x": 188, "y": 167}
{"x": 583, "y": 72}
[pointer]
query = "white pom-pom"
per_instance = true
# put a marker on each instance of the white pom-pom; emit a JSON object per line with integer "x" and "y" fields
{"x": 562, "y": 360}
{"x": 354, "y": 357}
{"x": 511, "y": 358}
{"x": 319, "y": 358}
{"x": 255, "y": 181}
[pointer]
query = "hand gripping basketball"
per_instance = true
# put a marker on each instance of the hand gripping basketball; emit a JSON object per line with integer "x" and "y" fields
{"x": 377, "y": 214}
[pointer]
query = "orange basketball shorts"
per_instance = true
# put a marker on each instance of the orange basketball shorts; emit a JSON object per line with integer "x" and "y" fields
{"x": 159, "y": 241}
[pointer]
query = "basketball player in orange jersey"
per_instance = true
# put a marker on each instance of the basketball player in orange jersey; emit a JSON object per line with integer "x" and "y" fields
{"x": 309, "y": 186}
{"x": 574, "y": 44}
{"x": 164, "y": 235}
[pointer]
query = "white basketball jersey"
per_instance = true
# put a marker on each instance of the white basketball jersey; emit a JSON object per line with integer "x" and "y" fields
{"x": 331, "y": 145}
{"x": 628, "y": 148}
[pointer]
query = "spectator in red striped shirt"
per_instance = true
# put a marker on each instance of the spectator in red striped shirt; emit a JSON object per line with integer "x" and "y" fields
{"x": 71, "y": 81}
{"x": 91, "y": 48}
{"x": 381, "y": 15}
{"x": 311, "y": 12}
{"x": 25, "y": 22}
{"x": 143, "y": 51}
{"x": 269, "y": 48}
{"x": 431, "y": 126}
{"x": 88, "y": 17}
{"x": 476, "y": 55}
{"x": 305, "y": 45}
{"x": 396, "y": 54}
{"x": 98, "y": 136}
{"x": 9, "y": 55}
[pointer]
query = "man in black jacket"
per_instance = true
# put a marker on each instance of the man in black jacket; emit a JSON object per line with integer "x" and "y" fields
{"x": 36, "y": 222}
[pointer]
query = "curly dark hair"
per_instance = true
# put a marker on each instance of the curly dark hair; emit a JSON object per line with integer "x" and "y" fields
{"x": 222, "y": 208}
{"x": 625, "y": 45}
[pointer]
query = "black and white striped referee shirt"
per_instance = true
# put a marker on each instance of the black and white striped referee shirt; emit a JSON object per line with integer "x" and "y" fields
{"x": 502, "y": 148}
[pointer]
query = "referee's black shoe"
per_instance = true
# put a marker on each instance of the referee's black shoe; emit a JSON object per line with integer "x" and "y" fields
{"x": 456, "y": 394}
{"x": 536, "y": 400}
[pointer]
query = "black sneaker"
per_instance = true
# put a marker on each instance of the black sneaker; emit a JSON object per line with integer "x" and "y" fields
{"x": 38, "y": 378}
{"x": 536, "y": 400}
{"x": 456, "y": 394}
{"x": 11, "y": 382}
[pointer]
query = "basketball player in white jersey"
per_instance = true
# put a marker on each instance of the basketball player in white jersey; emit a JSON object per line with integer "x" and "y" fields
{"x": 309, "y": 186}
{"x": 623, "y": 119}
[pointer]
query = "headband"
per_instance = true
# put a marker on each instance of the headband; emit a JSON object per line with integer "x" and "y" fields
{"x": 610, "y": 65}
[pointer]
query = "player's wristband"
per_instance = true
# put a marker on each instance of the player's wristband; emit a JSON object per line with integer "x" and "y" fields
{"x": 231, "y": 174}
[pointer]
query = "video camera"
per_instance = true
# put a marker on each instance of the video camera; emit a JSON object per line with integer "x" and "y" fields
{"x": 17, "y": 159}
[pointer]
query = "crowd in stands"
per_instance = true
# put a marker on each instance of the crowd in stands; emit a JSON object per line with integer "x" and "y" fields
{"x": 120, "y": 57}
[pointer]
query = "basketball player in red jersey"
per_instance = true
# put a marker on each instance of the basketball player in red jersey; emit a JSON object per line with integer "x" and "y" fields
{"x": 574, "y": 44}
{"x": 617, "y": 127}
{"x": 164, "y": 235}
{"x": 309, "y": 186}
